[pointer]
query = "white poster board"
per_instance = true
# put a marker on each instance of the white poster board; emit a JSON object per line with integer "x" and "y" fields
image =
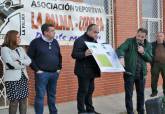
{"x": 105, "y": 57}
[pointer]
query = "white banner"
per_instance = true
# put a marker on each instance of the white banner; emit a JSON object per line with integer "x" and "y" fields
{"x": 105, "y": 57}
{"x": 69, "y": 18}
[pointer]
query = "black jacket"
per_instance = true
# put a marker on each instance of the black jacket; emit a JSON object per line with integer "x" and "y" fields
{"x": 84, "y": 66}
{"x": 154, "y": 44}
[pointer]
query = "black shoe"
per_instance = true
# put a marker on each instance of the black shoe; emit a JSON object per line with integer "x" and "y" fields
{"x": 153, "y": 95}
{"x": 94, "y": 112}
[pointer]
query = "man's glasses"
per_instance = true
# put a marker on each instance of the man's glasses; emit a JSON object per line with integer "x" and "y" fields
{"x": 51, "y": 31}
{"x": 141, "y": 36}
{"x": 96, "y": 32}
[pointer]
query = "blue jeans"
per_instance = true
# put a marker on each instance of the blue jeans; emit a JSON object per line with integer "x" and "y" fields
{"x": 46, "y": 81}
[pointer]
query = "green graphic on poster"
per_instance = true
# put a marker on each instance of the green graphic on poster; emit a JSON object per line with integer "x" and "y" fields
{"x": 105, "y": 57}
{"x": 103, "y": 60}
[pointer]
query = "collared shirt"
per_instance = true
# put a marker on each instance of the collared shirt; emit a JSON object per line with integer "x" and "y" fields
{"x": 46, "y": 39}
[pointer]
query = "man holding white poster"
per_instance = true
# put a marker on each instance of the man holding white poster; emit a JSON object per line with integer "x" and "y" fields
{"x": 86, "y": 70}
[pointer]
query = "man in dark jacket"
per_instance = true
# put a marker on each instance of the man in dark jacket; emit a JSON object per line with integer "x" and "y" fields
{"x": 158, "y": 63}
{"x": 46, "y": 63}
{"x": 133, "y": 54}
{"x": 86, "y": 70}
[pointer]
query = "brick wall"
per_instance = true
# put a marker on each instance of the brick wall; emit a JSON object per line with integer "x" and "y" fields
{"x": 109, "y": 83}
{"x": 125, "y": 20}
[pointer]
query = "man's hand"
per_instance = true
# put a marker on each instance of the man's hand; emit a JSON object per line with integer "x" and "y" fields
{"x": 58, "y": 71}
{"x": 122, "y": 61}
{"x": 88, "y": 52}
{"x": 141, "y": 49}
{"x": 39, "y": 71}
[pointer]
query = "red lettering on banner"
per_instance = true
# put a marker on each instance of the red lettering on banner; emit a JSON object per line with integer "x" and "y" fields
{"x": 60, "y": 22}
{"x": 100, "y": 24}
{"x": 39, "y": 20}
{"x": 50, "y": 19}
{"x": 86, "y": 20}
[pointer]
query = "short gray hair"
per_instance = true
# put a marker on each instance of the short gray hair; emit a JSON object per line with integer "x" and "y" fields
{"x": 90, "y": 27}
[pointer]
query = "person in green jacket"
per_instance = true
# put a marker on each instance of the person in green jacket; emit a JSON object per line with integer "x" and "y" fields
{"x": 158, "y": 63}
{"x": 133, "y": 55}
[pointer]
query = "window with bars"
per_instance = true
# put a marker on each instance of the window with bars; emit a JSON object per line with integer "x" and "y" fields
{"x": 152, "y": 17}
{"x": 108, "y": 6}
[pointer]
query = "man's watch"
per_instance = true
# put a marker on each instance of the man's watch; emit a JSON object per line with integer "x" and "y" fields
{"x": 39, "y": 71}
{"x": 58, "y": 71}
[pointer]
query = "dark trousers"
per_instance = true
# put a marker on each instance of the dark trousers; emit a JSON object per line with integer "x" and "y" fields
{"x": 129, "y": 86}
{"x": 22, "y": 106}
{"x": 84, "y": 95}
{"x": 46, "y": 81}
{"x": 156, "y": 69}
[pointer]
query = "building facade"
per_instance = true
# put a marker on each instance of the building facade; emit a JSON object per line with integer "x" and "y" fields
{"x": 123, "y": 18}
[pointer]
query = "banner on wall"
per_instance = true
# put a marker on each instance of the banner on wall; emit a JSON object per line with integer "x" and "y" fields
{"x": 105, "y": 57}
{"x": 70, "y": 19}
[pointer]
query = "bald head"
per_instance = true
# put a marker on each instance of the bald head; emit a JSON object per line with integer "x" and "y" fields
{"x": 92, "y": 31}
{"x": 160, "y": 37}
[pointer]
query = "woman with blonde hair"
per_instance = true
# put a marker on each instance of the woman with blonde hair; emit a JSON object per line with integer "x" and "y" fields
{"x": 15, "y": 76}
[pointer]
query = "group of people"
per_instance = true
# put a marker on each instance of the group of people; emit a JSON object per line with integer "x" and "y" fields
{"x": 44, "y": 57}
